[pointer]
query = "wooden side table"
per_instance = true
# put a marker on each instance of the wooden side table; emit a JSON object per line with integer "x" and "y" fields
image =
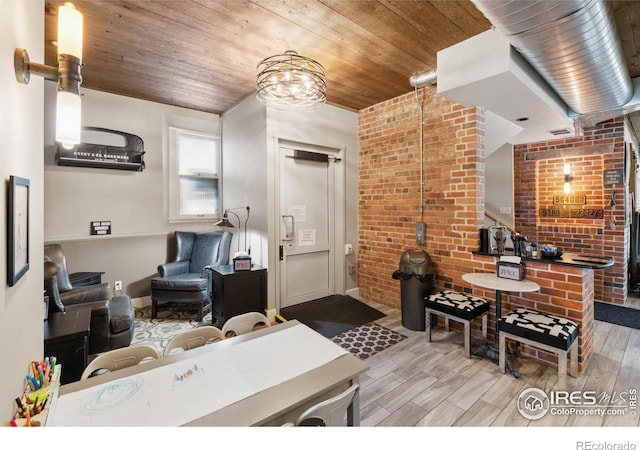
{"x": 66, "y": 336}
{"x": 238, "y": 292}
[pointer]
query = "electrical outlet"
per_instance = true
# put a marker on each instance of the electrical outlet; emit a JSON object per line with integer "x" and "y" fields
{"x": 421, "y": 229}
{"x": 117, "y": 286}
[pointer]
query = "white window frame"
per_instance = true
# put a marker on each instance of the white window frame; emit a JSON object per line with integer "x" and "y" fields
{"x": 174, "y": 176}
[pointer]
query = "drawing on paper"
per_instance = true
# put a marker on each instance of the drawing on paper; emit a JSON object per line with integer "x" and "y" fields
{"x": 113, "y": 395}
{"x": 180, "y": 379}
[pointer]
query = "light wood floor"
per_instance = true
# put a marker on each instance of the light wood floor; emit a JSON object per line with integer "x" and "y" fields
{"x": 416, "y": 383}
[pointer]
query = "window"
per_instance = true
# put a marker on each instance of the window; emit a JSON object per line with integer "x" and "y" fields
{"x": 194, "y": 164}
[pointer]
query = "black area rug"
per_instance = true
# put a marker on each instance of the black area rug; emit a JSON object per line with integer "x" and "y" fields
{"x": 619, "y": 315}
{"x": 332, "y": 315}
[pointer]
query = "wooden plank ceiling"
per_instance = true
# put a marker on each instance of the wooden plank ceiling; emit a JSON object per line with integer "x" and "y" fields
{"x": 202, "y": 54}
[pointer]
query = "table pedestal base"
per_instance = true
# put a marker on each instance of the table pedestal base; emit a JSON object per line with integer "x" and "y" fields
{"x": 492, "y": 352}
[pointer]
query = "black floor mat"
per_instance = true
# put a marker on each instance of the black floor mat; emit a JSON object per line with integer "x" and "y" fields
{"x": 332, "y": 315}
{"x": 620, "y": 315}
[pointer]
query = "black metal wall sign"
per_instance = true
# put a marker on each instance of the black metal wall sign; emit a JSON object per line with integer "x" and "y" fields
{"x": 612, "y": 176}
{"x": 99, "y": 227}
{"x": 103, "y": 156}
{"x": 572, "y": 213}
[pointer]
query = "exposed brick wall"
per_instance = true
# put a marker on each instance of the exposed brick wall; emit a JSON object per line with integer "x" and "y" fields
{"x": 540, "y": 169}
{"x": 453, "y": 202}
{"x": 390, "y": 186}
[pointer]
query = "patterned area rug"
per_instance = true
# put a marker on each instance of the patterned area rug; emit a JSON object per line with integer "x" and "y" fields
{"x": 363, "y": 341}
{"x": 368, "y": 339}
{"x": 170, "y": 321}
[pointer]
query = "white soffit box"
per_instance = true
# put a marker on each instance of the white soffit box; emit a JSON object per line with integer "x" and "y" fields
{"x": 498, "y": 131}
{"x": 486, "y": 71}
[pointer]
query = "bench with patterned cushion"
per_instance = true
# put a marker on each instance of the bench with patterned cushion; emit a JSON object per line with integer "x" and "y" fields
{"x": 552, "y": 333}
{"x": 460, "y": 307}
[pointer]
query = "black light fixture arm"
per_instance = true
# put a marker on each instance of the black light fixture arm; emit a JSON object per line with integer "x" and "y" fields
{"x": 228, "y": 211}
{"x": 224, "y": 222}
{"x": 248, "y": 208}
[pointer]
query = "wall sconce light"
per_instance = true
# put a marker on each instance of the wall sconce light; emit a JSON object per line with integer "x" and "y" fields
{"x": 226, "y": 223}
{"x": 567, "y": 178}
{"x": 67, "y": 74}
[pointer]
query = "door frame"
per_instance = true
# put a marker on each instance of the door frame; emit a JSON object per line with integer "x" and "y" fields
{"x": 339, "y": 202}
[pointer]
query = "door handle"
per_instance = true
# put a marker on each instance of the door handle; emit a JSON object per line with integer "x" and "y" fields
{"x": 289, "y": 227}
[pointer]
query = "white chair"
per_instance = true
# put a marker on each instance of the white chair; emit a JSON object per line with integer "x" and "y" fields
{"x": 120, "y": 358}
{"x": 196, "y": 337}
{"x": 244, "y": 323}
{"x": 333, "y": 412}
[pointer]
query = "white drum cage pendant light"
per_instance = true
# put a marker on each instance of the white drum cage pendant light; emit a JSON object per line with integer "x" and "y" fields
{"x": 291, "y": 82}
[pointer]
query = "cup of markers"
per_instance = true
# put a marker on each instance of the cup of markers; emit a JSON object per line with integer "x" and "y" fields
{"x": 40, "y": 383}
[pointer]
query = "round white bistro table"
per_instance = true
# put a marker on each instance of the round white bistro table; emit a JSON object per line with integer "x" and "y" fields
{"x": 492, "y": 281}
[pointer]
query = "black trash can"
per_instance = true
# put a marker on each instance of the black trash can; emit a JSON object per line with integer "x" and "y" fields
{"x": 416, "y": 282}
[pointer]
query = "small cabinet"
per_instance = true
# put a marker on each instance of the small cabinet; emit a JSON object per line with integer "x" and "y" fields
{"x": 66, "y": 336}
{"x": 238, "y": 292}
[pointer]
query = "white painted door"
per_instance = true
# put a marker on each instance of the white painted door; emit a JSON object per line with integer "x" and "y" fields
{"x": 307, "y": 224}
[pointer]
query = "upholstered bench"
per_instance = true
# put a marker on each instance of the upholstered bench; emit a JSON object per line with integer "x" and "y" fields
{"x": 548, "y": 332}
{"x": 460, "y": 307}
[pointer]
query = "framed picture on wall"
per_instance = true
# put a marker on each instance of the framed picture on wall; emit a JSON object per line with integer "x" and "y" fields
{"x": 18, "y": 229}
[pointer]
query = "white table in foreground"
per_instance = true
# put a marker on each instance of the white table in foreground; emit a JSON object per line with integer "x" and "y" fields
{"x": 274, "y": 403}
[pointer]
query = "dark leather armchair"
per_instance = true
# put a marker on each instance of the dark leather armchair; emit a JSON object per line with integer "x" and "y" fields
{"x": 188, "y": 279}
{"x": 112, "y": 319}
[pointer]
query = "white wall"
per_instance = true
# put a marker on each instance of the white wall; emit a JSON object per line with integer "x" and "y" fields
{"x": 332, "y": 127}
{"x": 134, "y": 202}
{"x": 250, "y": 137}
{"x": 499, "y": 184}
{"x": 21, "y": 123}
{"x": 244, "y": 168}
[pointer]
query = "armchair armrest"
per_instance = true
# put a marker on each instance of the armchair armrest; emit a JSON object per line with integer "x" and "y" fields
{"x": 51, "y": 288}
{"x": 86, "y": 294}
{"x": 173, "y": 268}
{"x": 50, "y": 269}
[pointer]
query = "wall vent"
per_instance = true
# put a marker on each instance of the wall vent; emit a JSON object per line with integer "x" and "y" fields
{"x": 560, "y": 132}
